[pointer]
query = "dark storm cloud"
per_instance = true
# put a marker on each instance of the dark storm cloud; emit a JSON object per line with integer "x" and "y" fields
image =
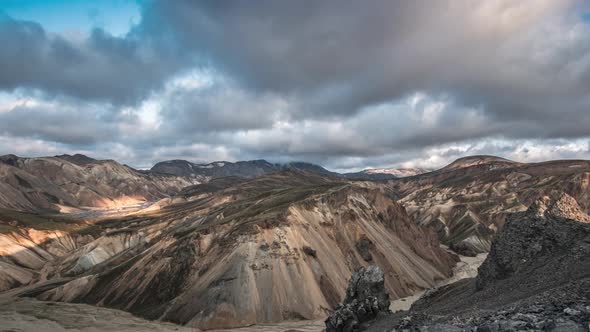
{"x": 101, "y": 67}
{"x": 339, "y": 56}
{"x": 75, "y": 126}
{"x": 344, "y": 83}
{"x": 220, "y": 107}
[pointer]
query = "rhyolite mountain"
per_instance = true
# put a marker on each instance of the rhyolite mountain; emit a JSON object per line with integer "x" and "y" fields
{"x": 468, "y": 201}
{"x": 209, "y": 261}
{"x": 66, "y": 182}
{"x": 206, "y": 249}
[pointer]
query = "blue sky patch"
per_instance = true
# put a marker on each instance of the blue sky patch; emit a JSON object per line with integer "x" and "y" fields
{"x": 67, "y": 16}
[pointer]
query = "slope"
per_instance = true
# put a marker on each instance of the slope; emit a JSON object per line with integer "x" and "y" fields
{"x": 65, "y": 182}
{"x": 274, "y": 248}
{"x": 469, "y": 200}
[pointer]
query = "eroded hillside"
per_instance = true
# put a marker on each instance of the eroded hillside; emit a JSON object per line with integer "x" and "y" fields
{"x": 238, "y": 253}
{"x": 469, "y": 200}
{"x": 66, "y": 183}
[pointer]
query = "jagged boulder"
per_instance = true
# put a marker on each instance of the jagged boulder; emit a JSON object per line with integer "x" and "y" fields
{"x": 366, "y": 297}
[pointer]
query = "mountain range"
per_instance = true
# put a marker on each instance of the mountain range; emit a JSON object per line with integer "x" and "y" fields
{"x": 199, "y": 244}
{"x": 68, "y": 182}
{"x": 253, "y": 168}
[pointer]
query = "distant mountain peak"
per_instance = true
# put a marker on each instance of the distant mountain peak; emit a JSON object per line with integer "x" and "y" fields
{"x": 78, "y": 159}
{"x": 385, "y": 173}
{"x": 477, "y": 160}
{"x": 9, "y": 159}
{"x": 398, "y": 172}
{"x": 245, "y": 169}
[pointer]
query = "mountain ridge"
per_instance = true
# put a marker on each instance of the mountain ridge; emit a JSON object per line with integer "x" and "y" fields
{"x": 70, "y": 182}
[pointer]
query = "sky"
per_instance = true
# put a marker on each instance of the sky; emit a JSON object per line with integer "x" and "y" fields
{"x": 342, "y": 83}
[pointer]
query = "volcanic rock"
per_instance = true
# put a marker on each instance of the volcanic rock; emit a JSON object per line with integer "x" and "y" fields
{"x": 366, "y": 297}
{"x": 535, "y": 278}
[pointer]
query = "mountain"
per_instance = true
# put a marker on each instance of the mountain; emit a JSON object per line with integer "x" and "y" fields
{"x": 217, "y": 169}
{"x": 204, "y": 254}
{"x": 254, "y": 168}
{"x": 245, "y": 169}
{"x": 208, "y": 262}
{"x": 78, "y": 159}
{"x": 492, "y": 162}
{"x": 385, "y": 173}
{"x": 536, "y": 278}
{"x": 68, "y": 182}
{"x": 467, "y": 202}
{"x": 399, "y": 172}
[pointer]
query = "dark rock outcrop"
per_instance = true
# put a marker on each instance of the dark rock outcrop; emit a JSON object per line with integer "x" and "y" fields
{"x": 542, "y": 234}
{"x": 364, "y": 246}
{"x": 463, "y": 248}
{"x": 366, "y": 297}
{"x": 535, "y": 278}
{"x": 310, "y": 251}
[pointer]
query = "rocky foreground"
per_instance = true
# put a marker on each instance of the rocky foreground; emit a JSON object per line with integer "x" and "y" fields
{"x": 536, "y": 278}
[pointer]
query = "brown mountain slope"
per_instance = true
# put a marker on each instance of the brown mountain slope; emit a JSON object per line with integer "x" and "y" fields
{"x": 468, "y": 201}
{"x": 56, "y": 183}
{"x": 492, "y": 162}
{"x": 265, "y": 250}
{"x": 29, "y": 241}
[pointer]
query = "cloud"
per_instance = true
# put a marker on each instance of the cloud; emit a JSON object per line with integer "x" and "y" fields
{"x": 52, "y": 122}
{"x": 338, "y": 57}
{"x": 344, "y": 83}
{"x": 219, "y": 106}
{"x": 101, "y": 67}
